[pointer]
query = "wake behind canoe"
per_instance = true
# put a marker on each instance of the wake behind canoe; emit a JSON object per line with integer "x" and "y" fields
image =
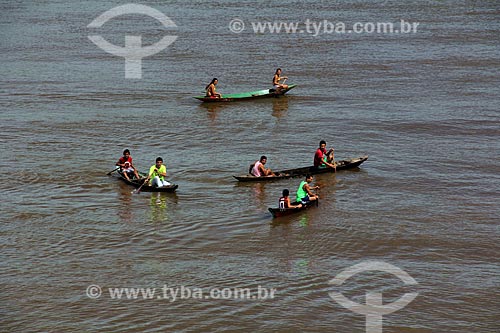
{"x": 298, "y": 172}
{"x": 246, "y": 95}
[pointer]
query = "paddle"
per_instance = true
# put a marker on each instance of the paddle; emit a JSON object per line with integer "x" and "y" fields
{"x": 137, "y": 191}
{"x": 109, "y": 173}
{"x": 279, "y": 89}
{"x": 333, "y": 161}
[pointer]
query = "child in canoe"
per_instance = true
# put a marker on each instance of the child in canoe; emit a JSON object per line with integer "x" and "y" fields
{"x": 285, "y": 203}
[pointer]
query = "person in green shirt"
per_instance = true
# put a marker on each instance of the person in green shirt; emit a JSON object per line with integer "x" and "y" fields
{"x": 304, "y": 193}
{"x": 157, "y": 174}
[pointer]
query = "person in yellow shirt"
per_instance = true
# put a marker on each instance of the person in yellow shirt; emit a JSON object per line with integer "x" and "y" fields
{"x": 157, "y": 174}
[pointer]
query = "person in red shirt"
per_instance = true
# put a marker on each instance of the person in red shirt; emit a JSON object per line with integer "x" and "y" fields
{"x": 126, "y": 167}
{"x": 323, "y": 158}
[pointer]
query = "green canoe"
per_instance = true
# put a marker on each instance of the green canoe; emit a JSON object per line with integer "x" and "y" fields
{"x": 246, "y": 95}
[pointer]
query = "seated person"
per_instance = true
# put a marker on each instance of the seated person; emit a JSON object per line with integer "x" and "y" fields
{"x": 276, "y": 81}
{"x": 157, "y": 174}
{"x": 258, "y": 170}
{"x": 285, "y": 203}
{"x": 210, "y": 89}
{"x": 322, "y": 158}
{"x": 126, "y": 167}
{"x": 304, "y": 193}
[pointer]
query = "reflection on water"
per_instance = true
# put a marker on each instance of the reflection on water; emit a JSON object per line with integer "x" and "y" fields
{"x": 259, "y": 192}
{"x": 285, "y": 221}
{"x": 304, "y": 221}
{"x": 326, "y": 186}
{"x": 301, "y": 266}
{"x": 212, "y": 109}
{"x": 158, "y": 201}
{"x": 280, "y": 106}
{"x": 125, "y": 198}
{"x": 160, "y": 204}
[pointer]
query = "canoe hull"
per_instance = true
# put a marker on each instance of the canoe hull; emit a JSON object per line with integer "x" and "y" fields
{"x": 277, "y": 212}
{"x": 299, "y": 172}
{"x": 146, "y": 188}
{"x": 245, "y": 96}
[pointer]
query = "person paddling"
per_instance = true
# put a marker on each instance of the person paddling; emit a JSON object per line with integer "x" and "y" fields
{"x": 304, "y": 193}
{"x": 276, "y": 81}
{"x": 157, "y": 174}
{"x": 210, "y": 89}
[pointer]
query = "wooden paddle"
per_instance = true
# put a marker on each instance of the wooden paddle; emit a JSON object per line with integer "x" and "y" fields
{"x": 140, "y": 187}
{"x": 137, "y": 191}
{"x": 109, "y": 173}
{"x": 279, "y": 89}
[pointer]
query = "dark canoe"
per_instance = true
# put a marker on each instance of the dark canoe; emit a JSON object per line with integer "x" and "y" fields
{"x": 147, "y": 188}
{"x": 290, "y": 173}
{"x": 277, "y": 212}
{"x": 246, "y": 95}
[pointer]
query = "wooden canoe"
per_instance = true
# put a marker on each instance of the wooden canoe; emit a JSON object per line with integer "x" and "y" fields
{"x": 246, "y": 95}
{"x": 278, "y": 212}
{"x": 147, "y": 188}
{"x": 298, "y": 172}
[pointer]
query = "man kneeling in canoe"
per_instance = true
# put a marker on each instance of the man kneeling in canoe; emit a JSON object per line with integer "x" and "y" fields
{"x": 258, "y": 170}
{"x": 304, "y": 193}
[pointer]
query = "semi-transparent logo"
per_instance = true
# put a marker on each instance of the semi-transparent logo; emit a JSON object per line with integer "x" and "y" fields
{"x": 133, "y": 52}
{"x": 374, "y": 308}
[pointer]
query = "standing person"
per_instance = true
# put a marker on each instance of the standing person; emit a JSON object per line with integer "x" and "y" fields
{"x": 323, "y": 158}
{"x": 258, "y": 169}
{"x": 276, "y": 81}
{"x": 210, "y": 89}
{"x": 304, "y": 193}
{"x": 157, "y": 174}
{"x": 126, "y": 167}
{"x": 284, "y": 201}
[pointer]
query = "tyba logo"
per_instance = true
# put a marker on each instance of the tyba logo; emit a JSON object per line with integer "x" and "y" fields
{"x": 133, "y": 52}
{"x": 374, "y": 308}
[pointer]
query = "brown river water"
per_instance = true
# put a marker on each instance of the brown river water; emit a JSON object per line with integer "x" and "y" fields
{"x": 423, "y": 106}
